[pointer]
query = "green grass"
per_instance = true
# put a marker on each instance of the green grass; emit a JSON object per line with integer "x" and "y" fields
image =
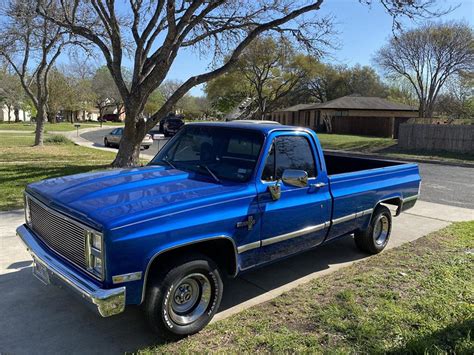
{"x": 356, "y": 143}
{"x": 53, "y": 127}
{"x": 429, "y": 155}
{"x": 387, "y": 147}
{"x": 21, "y": 163}
{"x": 415, "y": 299}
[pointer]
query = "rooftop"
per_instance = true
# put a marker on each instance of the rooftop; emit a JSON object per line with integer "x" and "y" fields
{"x": 365, "y": 103}
{"x": 353, "y": 102}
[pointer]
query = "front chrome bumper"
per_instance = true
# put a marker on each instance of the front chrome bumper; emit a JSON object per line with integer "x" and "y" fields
{"x": 106, "y": 302}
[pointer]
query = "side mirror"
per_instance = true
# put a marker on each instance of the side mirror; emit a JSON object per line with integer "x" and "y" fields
{"x": 297, "y": 178}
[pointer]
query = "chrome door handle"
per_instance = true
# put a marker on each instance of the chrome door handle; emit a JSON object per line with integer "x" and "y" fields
{"x": 318, "y": 185}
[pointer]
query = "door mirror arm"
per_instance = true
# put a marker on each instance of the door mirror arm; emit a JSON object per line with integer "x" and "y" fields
{"x": 275, "y": 190}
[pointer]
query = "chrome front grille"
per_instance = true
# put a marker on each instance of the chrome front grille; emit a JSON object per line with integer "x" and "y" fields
{"x": 61, "y": 234}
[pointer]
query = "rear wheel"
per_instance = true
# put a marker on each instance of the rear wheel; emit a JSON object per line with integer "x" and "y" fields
{"x": 182, "y": 300}
{"x": 375, "y": 238}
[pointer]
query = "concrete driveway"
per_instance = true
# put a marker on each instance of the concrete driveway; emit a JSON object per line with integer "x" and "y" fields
{"x": 43, "y": 319}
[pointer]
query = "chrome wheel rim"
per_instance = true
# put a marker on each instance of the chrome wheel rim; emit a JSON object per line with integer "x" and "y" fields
{"x": 381, "y": 227}
{"x": 190, "y": 299}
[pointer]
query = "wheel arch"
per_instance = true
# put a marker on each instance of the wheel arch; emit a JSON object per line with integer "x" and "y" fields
{"x": 395, "y": 200}
{"x": 221, "y": 249}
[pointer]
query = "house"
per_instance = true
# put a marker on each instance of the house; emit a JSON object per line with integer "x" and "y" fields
{"x": 5, "y": 112}
{"x": 371, "y": 116}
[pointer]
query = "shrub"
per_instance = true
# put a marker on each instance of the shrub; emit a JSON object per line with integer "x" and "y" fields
{"x": 56, "y": 140}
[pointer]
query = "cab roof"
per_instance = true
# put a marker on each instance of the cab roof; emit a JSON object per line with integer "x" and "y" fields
{"x": 251, "y": 125}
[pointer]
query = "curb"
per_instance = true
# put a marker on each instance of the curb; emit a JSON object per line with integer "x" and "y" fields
{"x": 387, "y": 157}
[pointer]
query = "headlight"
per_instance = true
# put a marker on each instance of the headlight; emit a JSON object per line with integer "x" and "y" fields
{"x": 97, "y": 265}
{"x": 96, "y": 241}
{"x": 94, "y": 253}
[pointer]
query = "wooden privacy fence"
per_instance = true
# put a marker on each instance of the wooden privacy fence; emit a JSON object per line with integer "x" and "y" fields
{"x": 437, "y": 137}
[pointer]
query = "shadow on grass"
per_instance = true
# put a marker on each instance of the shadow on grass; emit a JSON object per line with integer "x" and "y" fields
{"x": 455, "y": 339}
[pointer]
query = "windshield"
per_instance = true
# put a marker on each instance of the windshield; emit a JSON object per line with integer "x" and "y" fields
{"x": 219, "y": 152}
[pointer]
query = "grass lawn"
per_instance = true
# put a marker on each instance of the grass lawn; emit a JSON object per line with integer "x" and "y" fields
{"x": 21, "y": 164}
{"x": 387, "y": 147}
{"x": 63, "y": 126}
{"x": 356, "y": 143}
{"x": 415, "y": 299}
{"x": 427, "y": 155}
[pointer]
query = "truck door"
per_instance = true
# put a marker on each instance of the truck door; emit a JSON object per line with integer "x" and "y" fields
{"x": 299, "y": 218}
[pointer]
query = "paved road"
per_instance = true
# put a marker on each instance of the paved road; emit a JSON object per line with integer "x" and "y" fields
{"x": 448, "y": 185}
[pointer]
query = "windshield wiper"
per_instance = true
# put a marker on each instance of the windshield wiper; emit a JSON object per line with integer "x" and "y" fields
{"x": 168, "y": 162}
{"x": 210, "y": 172}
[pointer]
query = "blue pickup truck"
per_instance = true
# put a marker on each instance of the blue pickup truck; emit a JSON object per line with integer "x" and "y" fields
{"x": 219, "y": 199}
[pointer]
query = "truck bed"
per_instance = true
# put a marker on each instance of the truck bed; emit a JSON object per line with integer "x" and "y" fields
{"x": 339, "y": 164}
{"x": 359, "y": 184}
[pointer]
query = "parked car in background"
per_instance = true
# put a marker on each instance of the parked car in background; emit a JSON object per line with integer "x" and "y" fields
{"x": 168, "y": 126}
{"x": 171, "y": 125}
{"x": 113, "y": 139}
{"x": 111, "y": 117}
{"x": 219, "y": 198}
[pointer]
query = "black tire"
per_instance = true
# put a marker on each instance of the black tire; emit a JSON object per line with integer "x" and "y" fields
{"x": 166, "y": 134}
{"x": 375, "y": 238}
{"x": 145, "y": 147}
{"x": 173, "y": 289}
{"x": 106, "y": 142}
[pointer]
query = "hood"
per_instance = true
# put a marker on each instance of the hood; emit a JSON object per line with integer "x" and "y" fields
{"x": 116, "y": 197}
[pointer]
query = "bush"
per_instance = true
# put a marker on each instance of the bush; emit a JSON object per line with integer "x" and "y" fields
{"x": 56, "y": 140}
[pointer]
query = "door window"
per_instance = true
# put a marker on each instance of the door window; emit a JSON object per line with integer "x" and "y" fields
{"x": 289, "y": 152}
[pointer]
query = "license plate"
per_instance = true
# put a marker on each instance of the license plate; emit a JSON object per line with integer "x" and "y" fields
{"x": 40, "y": 272}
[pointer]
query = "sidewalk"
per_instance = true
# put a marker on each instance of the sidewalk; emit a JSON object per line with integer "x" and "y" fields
{"x": 44, "y": 319}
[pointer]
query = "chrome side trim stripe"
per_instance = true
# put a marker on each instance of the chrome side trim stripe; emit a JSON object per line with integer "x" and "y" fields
{"x": 298, "y": 233}
{"x": 247, "y": 247}
{"x": 411, "y": 198}
{"x": 352, "y": 216}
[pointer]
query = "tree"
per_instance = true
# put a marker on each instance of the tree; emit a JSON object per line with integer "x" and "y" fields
{"x": 11, "y": 93}
{"x": 458, "y": 100}
{"x": 105, "y": 90}
{"x": 427, "y": 57}
{"x": 272, "y": 70}
{"x": 31, "y": 44}
{"x": 227, "y": 91}
{"x": 153, "y": 32}
{"x": 327, "y": 82}
{"x": 61, "y": 94}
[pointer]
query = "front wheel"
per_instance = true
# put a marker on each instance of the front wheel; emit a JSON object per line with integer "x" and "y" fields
{"x": 106, "y": 142}
{"x": 185, "y": 298}
{"x": 375, "y": 238}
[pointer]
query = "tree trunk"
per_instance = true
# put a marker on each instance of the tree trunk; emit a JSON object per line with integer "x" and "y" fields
{"x": 16, "y": 111}
{"x": 40, "y": 119}
{"x": 9, "y": 112}
{"x": 129, "y": 150}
